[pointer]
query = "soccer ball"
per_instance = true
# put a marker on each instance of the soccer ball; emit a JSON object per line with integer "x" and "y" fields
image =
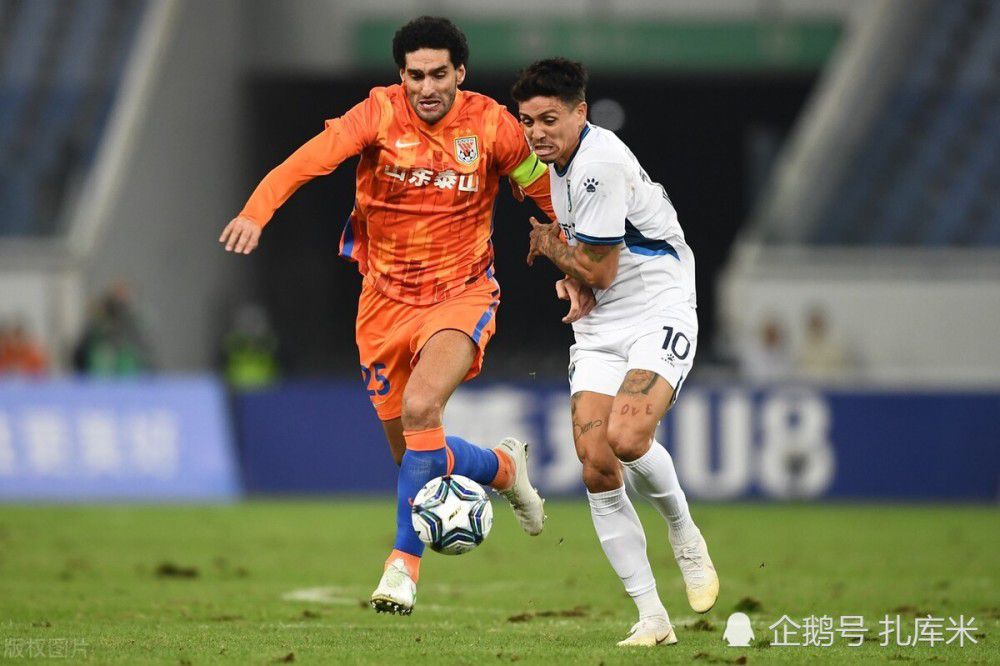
{"x": 452, "y": 514}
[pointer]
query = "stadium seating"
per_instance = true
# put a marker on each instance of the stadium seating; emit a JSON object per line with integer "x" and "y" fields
{"x": 928, "y": 172}
{"x": 60, "y": 64}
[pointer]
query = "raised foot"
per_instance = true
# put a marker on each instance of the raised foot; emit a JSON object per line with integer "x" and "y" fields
{"x": 528, "y": 505}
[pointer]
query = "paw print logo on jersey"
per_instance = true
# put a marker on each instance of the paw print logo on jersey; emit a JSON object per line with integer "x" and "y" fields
{"x": 591, "y": 184}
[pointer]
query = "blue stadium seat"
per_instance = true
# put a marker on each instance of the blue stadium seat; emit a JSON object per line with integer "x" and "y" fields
{"x": 927, "y": 175}
{"x": 60, "y": 66}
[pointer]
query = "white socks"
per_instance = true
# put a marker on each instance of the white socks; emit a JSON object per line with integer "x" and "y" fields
{"x": 624, "y": 542}
{"x": 653, "y": 476}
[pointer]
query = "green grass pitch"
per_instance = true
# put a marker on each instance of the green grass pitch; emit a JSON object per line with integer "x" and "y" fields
{"x": 274, "y": 582}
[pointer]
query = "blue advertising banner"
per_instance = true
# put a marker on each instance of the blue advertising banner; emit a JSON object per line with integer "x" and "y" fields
{"x": 728, "y": 442}
{"x": 312, "y": 437}
{"x": 147, "y": 439}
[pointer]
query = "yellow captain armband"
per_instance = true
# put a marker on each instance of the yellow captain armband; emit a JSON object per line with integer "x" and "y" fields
{"x": 528, "y": 171}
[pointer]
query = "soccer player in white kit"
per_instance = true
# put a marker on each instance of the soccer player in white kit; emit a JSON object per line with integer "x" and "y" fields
{"x": 634, "y": 346}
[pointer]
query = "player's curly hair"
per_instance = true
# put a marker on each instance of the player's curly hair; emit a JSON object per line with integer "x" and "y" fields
{"x": 554, "y": 77}
{"x": 430, "y": 32}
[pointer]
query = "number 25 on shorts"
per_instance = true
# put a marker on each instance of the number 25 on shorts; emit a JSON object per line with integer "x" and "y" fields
{"x": 375, "y": 373}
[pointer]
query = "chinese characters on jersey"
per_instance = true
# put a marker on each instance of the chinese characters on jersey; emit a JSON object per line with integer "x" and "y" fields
{"x": 443, "y": 180}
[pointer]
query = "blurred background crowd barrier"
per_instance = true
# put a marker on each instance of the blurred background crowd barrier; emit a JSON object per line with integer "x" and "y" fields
{"x": 174, "y": 438}
{"x": 835, "y": 165}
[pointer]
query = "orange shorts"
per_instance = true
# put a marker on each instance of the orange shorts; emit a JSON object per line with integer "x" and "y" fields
{"x": 390, "y": 335}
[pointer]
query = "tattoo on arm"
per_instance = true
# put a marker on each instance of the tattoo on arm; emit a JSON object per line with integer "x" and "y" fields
{"x": 596, "y": 255}
{"x": 561, "y": 255}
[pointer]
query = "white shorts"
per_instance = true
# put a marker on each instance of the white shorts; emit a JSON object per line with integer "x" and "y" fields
{"x": 665, "y": 345}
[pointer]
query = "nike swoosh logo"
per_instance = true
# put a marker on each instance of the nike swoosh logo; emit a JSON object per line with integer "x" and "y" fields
{"x": 406, "y": 145}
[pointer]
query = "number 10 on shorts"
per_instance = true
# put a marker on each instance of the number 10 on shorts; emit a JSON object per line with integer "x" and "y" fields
{"x": 672, "y": 342}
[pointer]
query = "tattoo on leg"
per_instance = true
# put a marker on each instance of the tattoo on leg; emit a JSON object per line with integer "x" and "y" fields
{"x": 638, "y": 382}
{"x": 581, "y": 429}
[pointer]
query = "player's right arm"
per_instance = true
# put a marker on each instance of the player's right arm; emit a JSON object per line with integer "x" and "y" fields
{"x": 342, "y": 138}
{"x": 241, "y": 235}
{"x": 593, "y": 264}
{"x": 599, "y": 196}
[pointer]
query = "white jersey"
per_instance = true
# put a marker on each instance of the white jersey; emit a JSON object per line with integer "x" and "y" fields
{"x": 604, "y": 197}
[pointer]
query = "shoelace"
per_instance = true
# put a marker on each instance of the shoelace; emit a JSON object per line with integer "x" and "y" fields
{"x": 511, "y": 495}
{"x": 640, "y": 624}
{"x": 396, "y": 577}
{"x": 520, "y": 509}
{"x": 690, "y": 561}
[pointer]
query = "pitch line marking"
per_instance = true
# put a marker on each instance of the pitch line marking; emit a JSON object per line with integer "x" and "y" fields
{"x": 341, "y": 596}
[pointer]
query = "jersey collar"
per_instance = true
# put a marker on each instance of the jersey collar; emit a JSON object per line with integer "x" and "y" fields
{"x": 584, "y": 132}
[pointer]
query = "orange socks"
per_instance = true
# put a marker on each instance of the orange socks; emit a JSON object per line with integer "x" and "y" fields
{"x": 429, "y": 440}
{"x": 425, "y": 440}
{"x": 505, "y": 471}
{"x": 411, "y": 562}
{"x": 420, "y": 444}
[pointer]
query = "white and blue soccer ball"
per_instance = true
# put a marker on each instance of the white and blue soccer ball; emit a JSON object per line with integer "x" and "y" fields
{"x": 452, "y": 514}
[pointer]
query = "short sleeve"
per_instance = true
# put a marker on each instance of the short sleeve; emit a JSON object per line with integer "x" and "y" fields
{"x": 599, "y": 203}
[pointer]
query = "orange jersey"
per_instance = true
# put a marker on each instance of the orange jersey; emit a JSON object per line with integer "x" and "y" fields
{"x": 423, "y": 216}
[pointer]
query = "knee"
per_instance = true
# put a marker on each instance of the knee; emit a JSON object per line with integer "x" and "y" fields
{"x": 627, "y": 441}
{"x": 421, "y": 412}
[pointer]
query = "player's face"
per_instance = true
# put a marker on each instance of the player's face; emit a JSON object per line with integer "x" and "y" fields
{"x": 552, "y": 127}
{"x": 431, "y": 82}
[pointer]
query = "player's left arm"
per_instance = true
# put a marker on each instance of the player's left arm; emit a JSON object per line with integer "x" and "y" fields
{"x": 532, "y": 178}
{"x": 580, "y": 296}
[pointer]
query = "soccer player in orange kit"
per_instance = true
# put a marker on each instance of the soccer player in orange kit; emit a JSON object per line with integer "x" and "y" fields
{"x": 431, "y": 160}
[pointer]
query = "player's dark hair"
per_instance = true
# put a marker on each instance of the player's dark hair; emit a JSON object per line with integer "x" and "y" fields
{"x": 430, "y": 32}
{"x": 554, "y": 77}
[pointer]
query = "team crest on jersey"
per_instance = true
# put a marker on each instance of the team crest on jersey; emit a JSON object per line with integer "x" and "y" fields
{"x": 466, "y": 149}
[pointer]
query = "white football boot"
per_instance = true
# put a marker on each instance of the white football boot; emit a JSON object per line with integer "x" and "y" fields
{"x": 700, "y": 579}
{"x": 528, "y": 505}
{"x": 650, "y": 632}
{"x": 396, "y": 592}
